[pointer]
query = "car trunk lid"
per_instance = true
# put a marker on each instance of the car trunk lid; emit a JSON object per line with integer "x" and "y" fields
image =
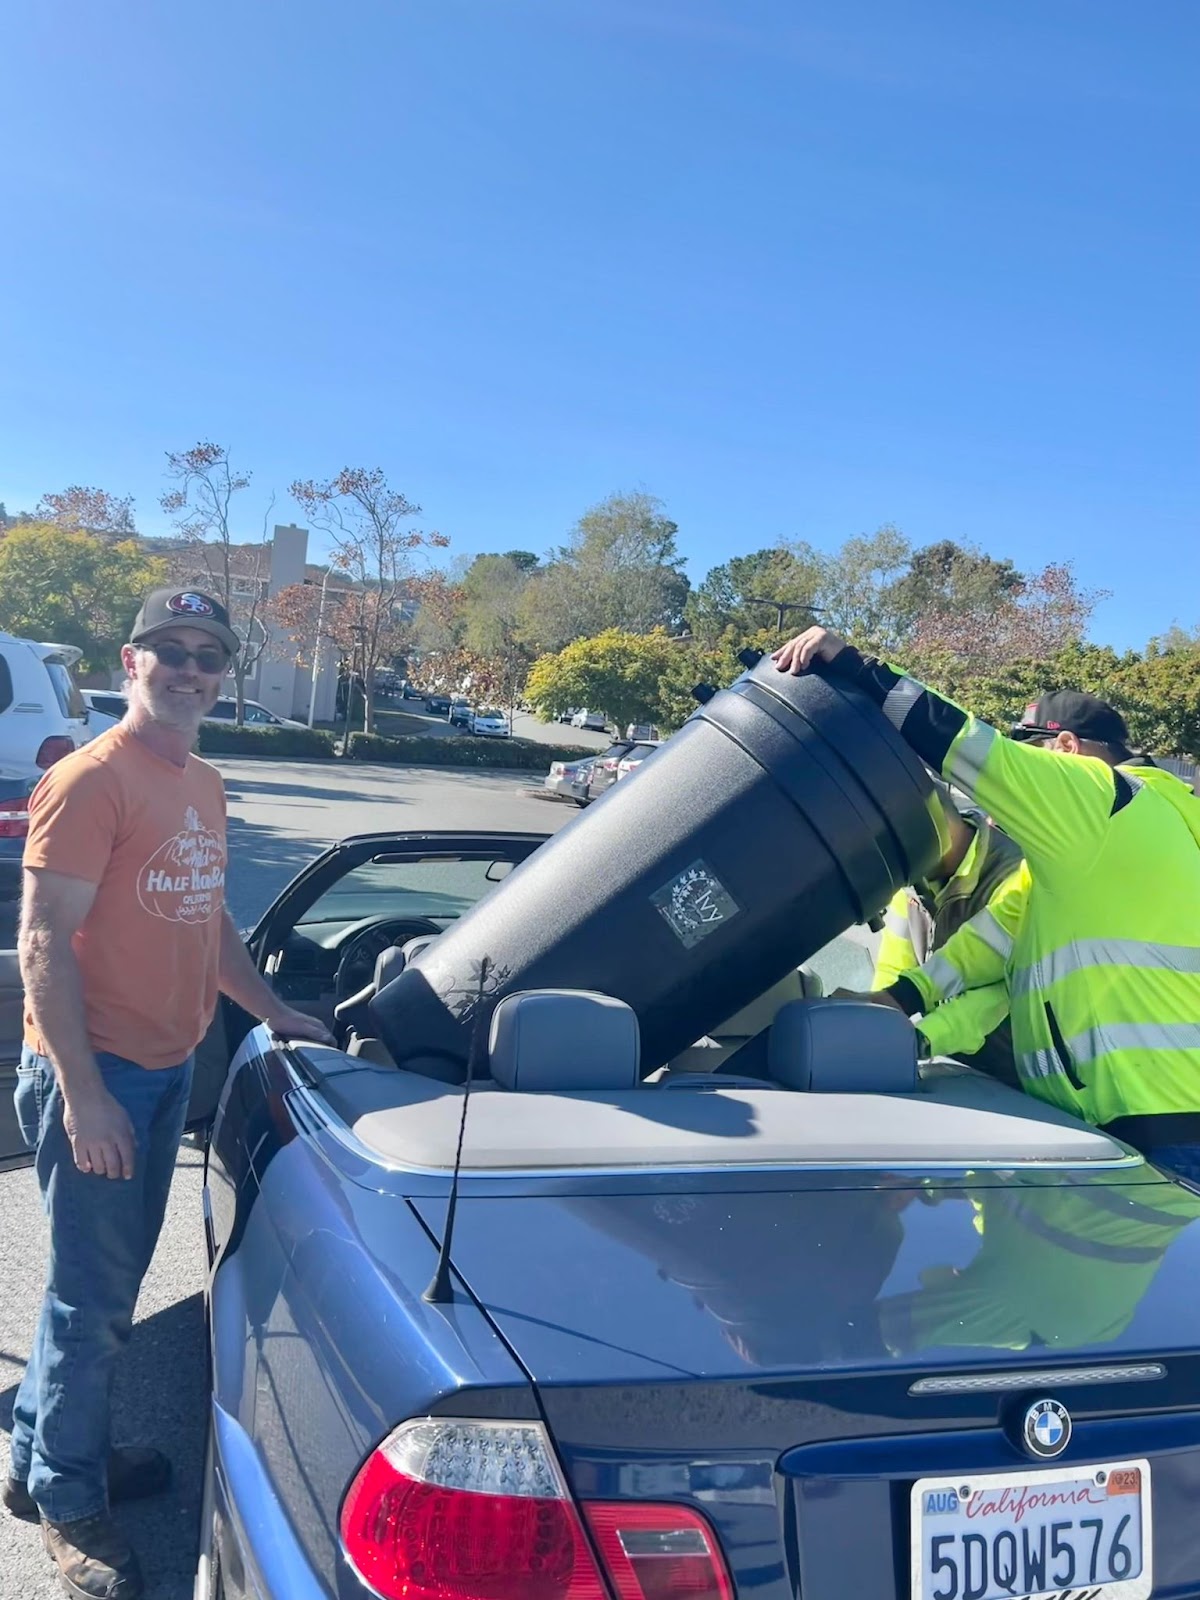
{"x": 755, "y": 1352}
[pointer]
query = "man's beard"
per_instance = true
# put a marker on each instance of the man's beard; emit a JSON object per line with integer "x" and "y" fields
{"x": 182, "y": 712}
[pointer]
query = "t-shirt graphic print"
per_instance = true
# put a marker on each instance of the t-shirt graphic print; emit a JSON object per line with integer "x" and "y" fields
{"x": 184, "y": 880}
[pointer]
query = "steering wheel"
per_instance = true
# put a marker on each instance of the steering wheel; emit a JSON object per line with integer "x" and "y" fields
{"x": 356, "y": 964}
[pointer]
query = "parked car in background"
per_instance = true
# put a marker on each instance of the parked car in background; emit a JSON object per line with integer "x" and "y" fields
{"x": 438, "y": 705}
{"x": 603, "y": 773}
{"x": 643, "y": 733}
{"x": 256, "y": 716}
{"x": 15, "y": 789}
{"x": 490, "y": 724}
{"x": 42, "y": 713}
{"x": 460, "y": 712}
{"x": 107, "y": 701}
{"x": 570, "y": 779}
{"x": 409, "y": 691}
{"x": 104, "y": 710}
{"x": 589, "y": 719}
{"x": 632, "y": 760}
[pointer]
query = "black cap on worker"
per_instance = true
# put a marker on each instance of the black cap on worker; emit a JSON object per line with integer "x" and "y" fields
{"x": 1072, "y": 711}
{"x": 183, "y": 608}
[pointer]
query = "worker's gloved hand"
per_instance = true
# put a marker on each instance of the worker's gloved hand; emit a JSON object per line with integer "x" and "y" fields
{"x": 814, "y": 644}
{"x": 874, "y": 997}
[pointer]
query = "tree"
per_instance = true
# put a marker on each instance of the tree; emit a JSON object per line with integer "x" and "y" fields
{"x": 695, "y": 663}
{"x": 73, "y": 588}
{"x": 619, "y": 569}
{"x": 1030, "y": 619}
{"x": 95, "y": 511}
{"x": 858, "y": 596}
{"x": 492, "y": 592}
{"x": 731, "y": 596}
{"x": 365, "y": 519}
{"x": 1177, "y": 638}
{"x": 235, "y": 574}
{"x": 617, "y": 673}
{"x": 954, "y": 581}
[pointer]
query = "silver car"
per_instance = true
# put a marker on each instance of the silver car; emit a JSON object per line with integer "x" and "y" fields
{"x": 570, "y": 779}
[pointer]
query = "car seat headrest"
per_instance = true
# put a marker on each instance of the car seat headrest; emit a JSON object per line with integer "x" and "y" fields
{"x": 843, "y": 1047}
{"x": 389, "y": 964}
{"x": 564, "y": 1039}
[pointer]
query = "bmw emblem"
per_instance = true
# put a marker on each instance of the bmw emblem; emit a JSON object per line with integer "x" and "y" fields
{"x": 1046, "y": 1430}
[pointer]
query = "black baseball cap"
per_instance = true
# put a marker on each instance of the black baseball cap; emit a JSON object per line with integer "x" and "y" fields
{"x": 183, "y": 608}
{"x": 1072, "y": 711}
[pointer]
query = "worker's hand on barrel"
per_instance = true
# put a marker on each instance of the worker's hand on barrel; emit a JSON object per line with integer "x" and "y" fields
{"x": 814, "y": 644}
{"x": 874, "y": 997}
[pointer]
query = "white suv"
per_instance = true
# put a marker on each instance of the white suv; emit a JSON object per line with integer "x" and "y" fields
{"x": 42, "y": 714}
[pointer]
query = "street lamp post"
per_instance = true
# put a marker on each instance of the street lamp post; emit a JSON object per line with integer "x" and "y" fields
{"x": 782, "y": 607}
{"x": 316, "y": 666}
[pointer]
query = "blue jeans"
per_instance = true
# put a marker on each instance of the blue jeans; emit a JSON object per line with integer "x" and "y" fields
{"x": 102, "y": 1235}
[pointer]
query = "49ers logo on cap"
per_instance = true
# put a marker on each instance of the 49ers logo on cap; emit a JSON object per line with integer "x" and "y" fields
{"x": 190, "y": 605}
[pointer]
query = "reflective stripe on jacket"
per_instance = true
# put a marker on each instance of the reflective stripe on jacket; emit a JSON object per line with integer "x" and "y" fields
{"x": 921, "y": 920}
{"x": 1104, "y": 969}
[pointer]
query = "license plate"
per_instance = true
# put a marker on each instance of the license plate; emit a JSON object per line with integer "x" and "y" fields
{"x": 1080, "y": 1533}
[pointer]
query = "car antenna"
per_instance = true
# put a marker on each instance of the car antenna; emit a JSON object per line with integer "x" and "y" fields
{"x": 439, "y": 1291}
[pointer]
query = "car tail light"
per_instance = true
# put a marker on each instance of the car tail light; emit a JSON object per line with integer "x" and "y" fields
{"x": 14, "y": 819}
{"x": 658, "y": 1552}
{"x": 473, "y": 1510}
{"x": 53, "y": 749}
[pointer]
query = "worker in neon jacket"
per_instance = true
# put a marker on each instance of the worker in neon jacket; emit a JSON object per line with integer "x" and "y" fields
{"x": 978, "y": 864}
{"x": 964, "y": 997}
{"x": 1104, "y": 972}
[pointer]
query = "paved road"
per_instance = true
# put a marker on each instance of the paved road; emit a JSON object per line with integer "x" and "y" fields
{"x": 280, "y": 816}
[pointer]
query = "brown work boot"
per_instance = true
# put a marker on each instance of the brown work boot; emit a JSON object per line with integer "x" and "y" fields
{"x": 94, "y": 1558}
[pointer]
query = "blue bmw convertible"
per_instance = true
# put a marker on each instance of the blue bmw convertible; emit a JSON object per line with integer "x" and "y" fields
{"x": 787, "y": 1317}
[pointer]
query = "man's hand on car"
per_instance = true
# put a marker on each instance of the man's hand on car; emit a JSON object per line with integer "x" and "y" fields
{"x": 288, "y": 1024}
{"x": 101, "y": 1134}
{"x": 814, "y": 644}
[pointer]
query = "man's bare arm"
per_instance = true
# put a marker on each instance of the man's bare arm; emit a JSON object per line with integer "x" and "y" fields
{"x": 54, "y": 906}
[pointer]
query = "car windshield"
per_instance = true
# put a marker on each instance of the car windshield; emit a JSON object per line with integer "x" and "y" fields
{"x": 438, "y": 888}
{"x": 496, "y": 716}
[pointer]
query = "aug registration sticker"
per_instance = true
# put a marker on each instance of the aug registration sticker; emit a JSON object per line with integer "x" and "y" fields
{"x": 1075, "y": 1533}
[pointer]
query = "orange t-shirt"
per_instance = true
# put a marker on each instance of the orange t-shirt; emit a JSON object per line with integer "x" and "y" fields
{"x": 151, "y": 837}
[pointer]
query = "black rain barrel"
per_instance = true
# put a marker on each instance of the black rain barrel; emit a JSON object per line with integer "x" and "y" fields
{"x": 783, "y": 811}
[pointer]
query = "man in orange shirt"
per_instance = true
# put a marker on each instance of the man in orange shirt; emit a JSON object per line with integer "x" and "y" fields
{"x": 125, "y": 943}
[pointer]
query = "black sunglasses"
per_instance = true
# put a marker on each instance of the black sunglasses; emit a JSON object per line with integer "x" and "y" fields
{"x": 209, "y": 658}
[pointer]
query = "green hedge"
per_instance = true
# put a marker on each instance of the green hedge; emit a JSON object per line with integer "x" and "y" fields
{"x": 217, "y": 739}
{"x": 526, "y": 755}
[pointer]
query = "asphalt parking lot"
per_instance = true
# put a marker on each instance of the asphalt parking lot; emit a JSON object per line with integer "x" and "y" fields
{"x": 281, "y": 814}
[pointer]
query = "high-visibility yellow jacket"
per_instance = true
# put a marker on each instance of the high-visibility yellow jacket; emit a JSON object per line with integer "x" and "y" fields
{"x": 1104, "y": 969}
{"x": 921, "y": 919}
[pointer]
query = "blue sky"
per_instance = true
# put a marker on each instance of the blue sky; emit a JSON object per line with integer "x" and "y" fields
{"x": 799, "y": 267}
